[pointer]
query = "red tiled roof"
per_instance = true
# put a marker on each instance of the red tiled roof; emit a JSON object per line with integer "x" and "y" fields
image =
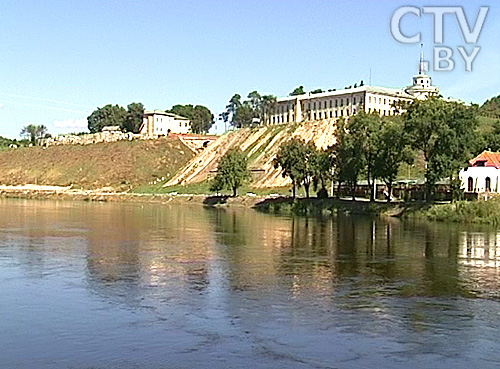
{"x": 490, "y": 159}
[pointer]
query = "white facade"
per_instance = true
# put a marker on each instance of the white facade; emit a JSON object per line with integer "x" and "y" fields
{"x": 480, "y": 179}
{"x": 482, "y": 174}
{"x": 158, "y": 123}
{"x": 337, "y": 104}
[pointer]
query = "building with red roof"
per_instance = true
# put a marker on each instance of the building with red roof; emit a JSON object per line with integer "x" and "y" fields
{"x": 482, "y": 174}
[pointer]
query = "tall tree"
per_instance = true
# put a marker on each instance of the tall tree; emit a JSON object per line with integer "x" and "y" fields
{"x": 186, "y": 111}
{"x": 445, "y": 133}
{"x": 202, "y": 119}
{"x": 392, "y": 151}
{"x": 109, "y": 115}
{"x": 33, "y": 132}
{"x": 268, "y": 105}
{"x": 232, "y": 171}
{"x": 349, "y": 158}
{"x": 365, "y": 130}
{"x": 243, "y": 116}
{"x": 134, "y": 117}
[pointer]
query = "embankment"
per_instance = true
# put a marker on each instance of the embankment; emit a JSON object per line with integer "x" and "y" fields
{"x": 260, "y": 145}
{"x": 119, "y": 165}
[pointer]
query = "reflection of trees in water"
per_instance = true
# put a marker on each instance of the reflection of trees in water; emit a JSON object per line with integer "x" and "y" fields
{"x": 135, "y": 252}
{"x": 38, "y": 232}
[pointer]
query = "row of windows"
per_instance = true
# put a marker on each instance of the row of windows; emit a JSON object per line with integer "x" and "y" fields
{"x": 313, "y": 116}
{"x": 323, "y": 104}
{"x": 385, "y": 101}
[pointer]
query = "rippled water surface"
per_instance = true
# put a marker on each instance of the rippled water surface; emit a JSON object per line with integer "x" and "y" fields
{"x": 85, "y": 285}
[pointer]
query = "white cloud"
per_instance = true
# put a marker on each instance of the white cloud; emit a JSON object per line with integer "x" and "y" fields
{"x": 1, "y": 106}
{"x": 71, "y": 124}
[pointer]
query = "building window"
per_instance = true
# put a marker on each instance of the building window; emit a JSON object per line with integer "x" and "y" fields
{"x": 314, "y": 106}
{"x": 341, "y": 102}
{"x": 336, "y": 103}
{"x": 369, "y": 99}
{"x": 354, "y": 100}
{"x": 331, "y": 114}
{"x": 470, "y": 184}
{"x": 487, "y": 184}
{"x": 347, "y": 112}
{"x": 325, "y": 105}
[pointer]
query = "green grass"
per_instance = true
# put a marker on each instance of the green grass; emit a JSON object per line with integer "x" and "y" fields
{"x": 477, "y": 212}
{"x": 203, "y": 188}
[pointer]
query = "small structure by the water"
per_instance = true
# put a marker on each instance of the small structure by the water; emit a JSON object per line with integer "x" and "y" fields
{"x": 482, "y": 174}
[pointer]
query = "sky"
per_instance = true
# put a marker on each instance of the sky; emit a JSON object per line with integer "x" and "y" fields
{"x": 61, "y": 59}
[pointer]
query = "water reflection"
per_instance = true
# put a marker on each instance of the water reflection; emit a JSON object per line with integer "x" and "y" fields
{"x": 255, "y": 288}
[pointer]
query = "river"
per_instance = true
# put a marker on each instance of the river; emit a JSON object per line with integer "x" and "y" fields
{"x": 103, "y": 285}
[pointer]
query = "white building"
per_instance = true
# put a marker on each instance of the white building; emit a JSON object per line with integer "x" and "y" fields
{"x": 158, "y": 123}
{"x": 482, "y": 174}
{"x": 336, "y": 104}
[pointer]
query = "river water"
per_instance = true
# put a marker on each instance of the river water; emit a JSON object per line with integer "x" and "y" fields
{"x": 100, "y": 285}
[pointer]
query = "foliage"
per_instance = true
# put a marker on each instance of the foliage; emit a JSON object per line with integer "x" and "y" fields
{"x": 200, "y": 116}
{"x": 109, "y": 115}
{"x": 297, "y": 91}
{"x": 298, "y": 160}
{"x": 33, "y": 132}
{"x": 445, "y": 132}
{"x": 364, "y": 131}
{"x": 482, "y": 212}
{"x": 245, "y": 113}
{"x": 134, "y": 117}
{"x": 392, "y": 151}
{"x": 232, "y": 171}
{"x": 115, "y": 115}
{"x": 491, "y": 108}
{"x": 348, "y": 159}
{"x": 317, "y": 91}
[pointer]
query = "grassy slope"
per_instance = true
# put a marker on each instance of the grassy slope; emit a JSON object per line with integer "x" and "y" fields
{"x": 117, "y": 164}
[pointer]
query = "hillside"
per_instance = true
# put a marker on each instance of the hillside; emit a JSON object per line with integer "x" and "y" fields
{"x": 491, "y": 108}
{"x": 260, "y": 145}
{"x": 120, "y": 165}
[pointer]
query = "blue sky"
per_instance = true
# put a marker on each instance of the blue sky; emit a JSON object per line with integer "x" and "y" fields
{"x": 62, "y": 59}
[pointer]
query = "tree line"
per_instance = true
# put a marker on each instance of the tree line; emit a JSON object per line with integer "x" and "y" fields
{"x": 245, "y": 113}
{"x": 130, "y": 119}
{"x": 373, "y": 147}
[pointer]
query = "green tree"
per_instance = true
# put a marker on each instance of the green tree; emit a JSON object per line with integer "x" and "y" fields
{"x": 325, "y": 162}
{"x": 392, "y": 151}
{"x": 298, "y": 91}
{"x": 33, "y": 132}
{"x": 232, "y": 171}
{"x": 109, "y": 115}
{"x": 289, "y": 157}
{"x": 268, "y": 105}
{"x": 297, "y": 160}
{"x": 364, "y": 130}
{"x": 445, "y": 132}
{"x": 348, "y": 157}
{"x": 243, "y": 116}
{"x": 134, "y": 117}
{"x": 202, "y": 119}
{"x": 186, "y": 111}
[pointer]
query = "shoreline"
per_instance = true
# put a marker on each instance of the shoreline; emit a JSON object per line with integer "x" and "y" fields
{"x": 462, "y": 212}
{"x": 271, "y": 204}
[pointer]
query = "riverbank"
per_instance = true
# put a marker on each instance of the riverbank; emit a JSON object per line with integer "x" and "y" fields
{"x": 466, "y": 212}
{"x": 274, "y": 203}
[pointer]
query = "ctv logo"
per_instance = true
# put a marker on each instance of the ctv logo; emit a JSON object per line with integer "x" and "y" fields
{"x": 443, "y": 57}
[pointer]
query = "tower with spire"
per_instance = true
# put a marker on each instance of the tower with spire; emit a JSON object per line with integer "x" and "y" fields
{"x": 422, "y": 82}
